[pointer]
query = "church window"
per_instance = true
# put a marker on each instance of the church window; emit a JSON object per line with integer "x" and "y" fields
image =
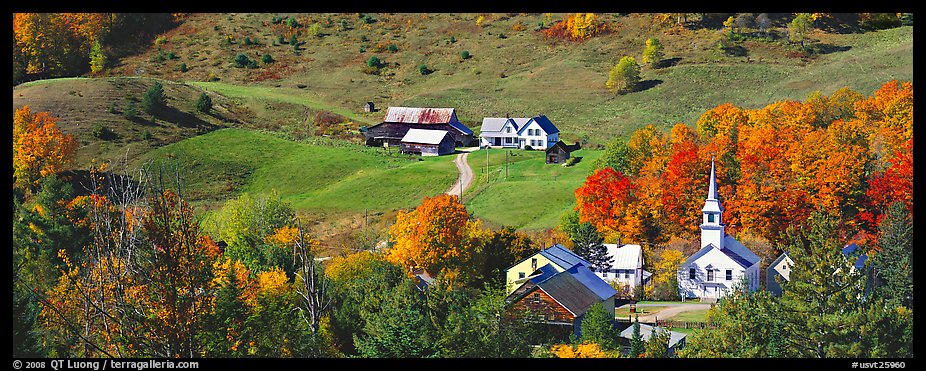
{"x": 710, "y": 218}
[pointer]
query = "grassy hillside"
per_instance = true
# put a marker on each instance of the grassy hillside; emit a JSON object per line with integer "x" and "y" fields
{"x": 82, "y": 104}
{"x": 521, "y": 73}
{"x": 318, "y": 179}
{"x": 533, "y": 196}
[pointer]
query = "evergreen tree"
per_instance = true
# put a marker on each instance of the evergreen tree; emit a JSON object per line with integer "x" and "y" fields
{"x": 204, "y": 103}
{"x": 153, "y": 100}
{"x": 894, "y": 263}
{"x": 400, "y": 329}
{"x": 637, "y": 345}
{"x": 225, "y": 334}
{"x": 598, "y": 327}
{"x": 590, "y": 246}
{"x": 658, "y": 344}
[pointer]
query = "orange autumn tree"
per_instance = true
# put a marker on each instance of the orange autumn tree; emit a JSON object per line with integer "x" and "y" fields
{"x": 606, "y": 200}
{"x": 436, "y": 236}
{"x": 684, "y": 183}
{"x": 39, "y": 147}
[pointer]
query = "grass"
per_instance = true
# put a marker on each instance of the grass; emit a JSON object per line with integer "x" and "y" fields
{"x": 534, "y": 195}
{"x": 507, "y": 76}
{"x": 690, "y": 316}
{"x": 624, "y": 312}
{"x": 317, "y": 179}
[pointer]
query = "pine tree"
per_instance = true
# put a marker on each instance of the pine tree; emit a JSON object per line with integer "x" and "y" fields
{"x": 658, "y": 344}
{"x": 894, "y": 263}
{"x": 637, "y": 344}
{"x": 597, "y": 327}
{"x": 589, "y": 245}
{"x": 153, "y": 100}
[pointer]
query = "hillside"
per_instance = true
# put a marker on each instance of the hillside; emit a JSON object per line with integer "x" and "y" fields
{"x": 511, "y": 72}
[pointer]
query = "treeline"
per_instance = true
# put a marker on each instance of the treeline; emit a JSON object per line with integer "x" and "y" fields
{"x": 845, "y": 154}
{"x": 47, "y": 45}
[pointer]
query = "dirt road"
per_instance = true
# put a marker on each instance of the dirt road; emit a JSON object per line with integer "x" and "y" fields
{"x": 466, "y": 175}
{"x": 671, "y": 311}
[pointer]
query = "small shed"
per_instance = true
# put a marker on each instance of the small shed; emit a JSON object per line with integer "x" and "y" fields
{"x": 559, "y": 152}
{"x": 676, "y": 339}
{"x": 427, "y": 142}
{"x": 369, "y": 107}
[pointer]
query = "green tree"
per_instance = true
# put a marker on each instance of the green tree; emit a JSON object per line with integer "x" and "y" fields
{"x": 590, "y": 246}
{"x": 465, "y": 54}
{"x": 637, "y": 345}
{"x": 800, "y": 27}
{"x": 204, "y": 103}
{"x": 598, "y": 327}
{"x": 374, "y": 62}
{"x": 624, "y": 76}
{"x": 97, "y": 58}
{"x": 266, "y": 59}
{"x": 401, "y": 329}
{"x": 244, "y": 223}
{"x": 569, "y": 223}
{"x": 616, "y": 156}
{"x": 658, "y": 344}
{"x": 652, "y": 54}
{"x": 153, "y": 100}
{"x": 501, "y": 249}
{"x": 224, "y": 332}
{"x": 745, "y": 327}
{"x": 894, "y": 263}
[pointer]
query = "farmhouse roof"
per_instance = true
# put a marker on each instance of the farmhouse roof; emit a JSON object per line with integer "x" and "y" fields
{"x": 423, "y": 136}
{"x": 544, "y": 123}
{"x": 417, "y": 115}
{"x": 779, "y": 259}
{"x": 563, "y": 256}
{"x": 625, "y": 256}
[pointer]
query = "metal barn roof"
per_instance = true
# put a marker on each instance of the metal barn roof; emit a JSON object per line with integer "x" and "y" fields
{"x": 417, "y": 115}
{"x": 424, "y": 136}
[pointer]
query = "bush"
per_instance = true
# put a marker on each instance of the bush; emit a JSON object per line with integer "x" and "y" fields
{"x": 130, "y": 111}
{"x": 453, "y": 39}
{"x": 103, "y": 132}
{"x": 242, "y": 60}
{"x": 652, "y": 54}
{"x": 502, "y": 36}
{"x": 111, "y": 108}
{"x": 374, "y": 61}
{"x": 266, "y": 59}
{"x": 368, "y": 19}
{"x": 153, "y": 100}
{"x": 624, "y": 76}
{"x": 465, "y": 54}
{"x": 879, "y": 21}
{"x": 183, "y": 67}
{"x": 393, "y": 48}
{"x": 423, "y": 69}
{"x": 293, "y": 40}
{"x": 280, "y": 39}
{"x": 292, "y": 23}
{"x": 571, "y": 161}
{"x": 146, "y": 135}
{"x": 247, "y": 41}
{"x": 204, "y": 103}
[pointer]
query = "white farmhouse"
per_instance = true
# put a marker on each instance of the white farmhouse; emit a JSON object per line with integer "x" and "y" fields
{"x": 722, "y": 261}
{"x": 518, "y": 132}
{"x": 626, "y": 270}
{"x": 777, "y": 273}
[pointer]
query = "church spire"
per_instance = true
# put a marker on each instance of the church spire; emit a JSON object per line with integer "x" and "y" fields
{"x": 712, "y": 187}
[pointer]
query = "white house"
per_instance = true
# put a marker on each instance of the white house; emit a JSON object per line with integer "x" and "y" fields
{"x": 722, "y": 261}
{"x": 626, "y": 267}
{"x": 518, "y": 132}
{"x": 777, "y": 273}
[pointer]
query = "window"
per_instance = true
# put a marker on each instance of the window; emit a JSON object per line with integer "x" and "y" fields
{"x": 604, "y": 274}
{"x": 508, "y": 140}
{"x": 520, "y": 275}
{"x": 536, "y": 298}
{"x": 530, "y": 131}
{"x": 626, "y": 274}
{"x": 710, "y": 218}
{"x": 729, "y": 275}
{"x": 691, "y": 273}
{"x": 508, "y": 130}
{"x": 534, "y": 264}
{"x": 710, "y": 275}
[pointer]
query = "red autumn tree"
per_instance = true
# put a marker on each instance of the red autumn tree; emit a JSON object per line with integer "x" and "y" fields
{"x": 891, "y": 185}
{"x": 606, "y": 199}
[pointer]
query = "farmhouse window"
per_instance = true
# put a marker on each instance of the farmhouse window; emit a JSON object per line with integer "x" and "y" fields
{"x": 729, "y": 275}
{"x": 520, "y": 275}
{"x": 536, "y": 298}
{"x": 626, "y": 274}
{"x": 507, "y": 130}
{"x": 534, "y": 263}
{"x": 508, "y": 140}
{"x": 710, "y": 275}
{"x": 691, "y": 273}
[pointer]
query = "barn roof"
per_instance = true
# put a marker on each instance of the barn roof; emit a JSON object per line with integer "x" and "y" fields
{"x": 424, "y": 136}
{"x": 462, "y": 128}
{"x": 577, "y": 289}
{"x": 417, "y": 115}
{"x": 563, "y": 256}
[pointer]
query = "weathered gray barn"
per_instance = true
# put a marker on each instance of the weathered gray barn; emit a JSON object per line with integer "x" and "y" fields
{"x": 427, "y": 142}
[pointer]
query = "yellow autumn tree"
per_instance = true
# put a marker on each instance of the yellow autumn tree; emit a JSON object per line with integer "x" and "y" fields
{"x": 39, "y": 147}
{"x": 436, "y": 236}
{"x": 582, "y": 350}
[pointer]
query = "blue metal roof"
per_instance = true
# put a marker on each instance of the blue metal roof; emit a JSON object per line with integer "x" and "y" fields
{"x": 738, "y": 259}
{"x": 543, "y": 273}
{"x": 563, "y": 257}
{"x": 459, "y": 126}
{"x": 852, "y": 249}
{"x": 544, "y": 123}
{"x": 592, "y": 281}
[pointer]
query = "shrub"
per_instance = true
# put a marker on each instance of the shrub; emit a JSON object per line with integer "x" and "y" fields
{"x": 879, "y": 21}
{"x": 242, "y": 60}
{"x": 111, "y": 108}
{"x": 571, "y": 161}
{"x": 280, "y": 39}
{"x": 293, "y": 40}
{"x": 171, "y": 55}
{"x": 130, "y": 111}
{"x": 624, "y": 76}
{"x": 102, "y": 132}
{"x": 453, "y": 39}
{"x": 363, "y": 38}
{"x": 502, "y": 36}
{"x": 266, "y": 59}
{"x": 652, "y": 54}
{"x": 464, "y": 54}
{"x": 292, "y": 23}
{"x": 344, "y": 25}
{"x": 146, "y": 135}
{"x": 374, "y": 61}
{"x": 247, "y": 41}
{"x": 423, "y": 69}
{"x": 153, "y": 100}
{"x": 183, "y": 67}
{"x": 393, "y": 48}
{"x": 368, "y": 19}
{"x": 204, "y": 103}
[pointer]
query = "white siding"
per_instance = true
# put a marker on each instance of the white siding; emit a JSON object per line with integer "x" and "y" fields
{"x": 719, "y": 262}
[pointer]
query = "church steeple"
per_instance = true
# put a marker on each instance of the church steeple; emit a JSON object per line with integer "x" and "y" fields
{"x": 712, "y": 228}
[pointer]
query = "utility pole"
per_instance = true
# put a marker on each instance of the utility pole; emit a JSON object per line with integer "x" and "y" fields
{"x": 506, "y": 163}
{"x": 487, "y": 164}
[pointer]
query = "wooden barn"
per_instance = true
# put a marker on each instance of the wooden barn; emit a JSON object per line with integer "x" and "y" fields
{"x": 427, "y": 142}
{"x": 559, "y": 152}
{"x": 399, "y": 120}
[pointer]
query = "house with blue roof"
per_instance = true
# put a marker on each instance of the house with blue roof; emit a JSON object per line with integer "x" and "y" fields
{"x": 779, "y": 271}
{"x": 536, "y": 132}
{"x": 722, "y": 262}
{"x": 560, "y": 289}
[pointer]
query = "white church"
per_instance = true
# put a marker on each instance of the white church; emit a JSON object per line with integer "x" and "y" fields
{"x": 722, "y": 261}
